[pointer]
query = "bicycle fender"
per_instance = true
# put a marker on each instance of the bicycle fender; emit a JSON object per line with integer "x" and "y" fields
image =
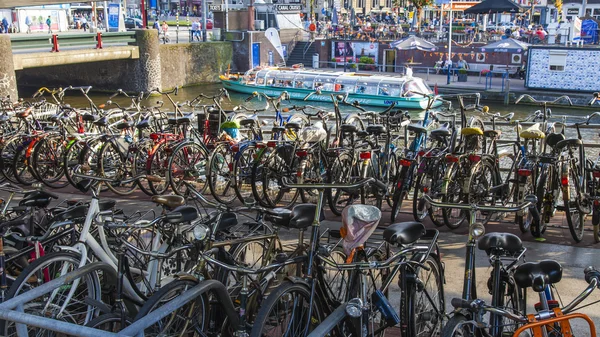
{"x": 186, "y": 276}
{"x": 297, "y": 280}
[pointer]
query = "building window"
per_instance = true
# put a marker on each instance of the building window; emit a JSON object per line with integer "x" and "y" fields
{"x": 558, "y": 60}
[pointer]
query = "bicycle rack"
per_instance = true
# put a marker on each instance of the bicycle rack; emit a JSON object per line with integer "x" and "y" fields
{"x": 12, "y": 310}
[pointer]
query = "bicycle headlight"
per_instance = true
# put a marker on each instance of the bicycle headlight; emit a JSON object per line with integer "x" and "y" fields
{"x": 477, "y": 230}
{"x": 354, "y": 308}
{"x": 200, "y": 232}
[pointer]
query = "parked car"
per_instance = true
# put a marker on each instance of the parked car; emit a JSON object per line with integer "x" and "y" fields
{"x": 131, "y": 23}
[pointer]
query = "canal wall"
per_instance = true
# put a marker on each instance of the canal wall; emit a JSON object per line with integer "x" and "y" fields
{"x": 193, "y": 63}
{"x": 158, "y": 66}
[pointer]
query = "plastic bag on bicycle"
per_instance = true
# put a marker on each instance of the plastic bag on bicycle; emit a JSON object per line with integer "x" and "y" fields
{"x": 358, "y": 223}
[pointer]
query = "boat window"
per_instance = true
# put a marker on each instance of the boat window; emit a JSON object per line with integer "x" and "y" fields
{"x": 260, "y": 77}
{"x": 305, "y": 81}
{"x": 285, "y": 80}
{"x": 326, "y": 82}
{"x": 345, "y": 85}
{"x": 367, "y": 88}
{"x": 270, "y": 78}
{"x": 250, "y": 77}
{"x": 411, "y": 87}
{"x": 389, "y": 89}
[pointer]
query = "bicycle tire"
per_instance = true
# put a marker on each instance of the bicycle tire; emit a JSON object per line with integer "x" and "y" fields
{"x": 164, "y": 295}
{"x": 412, "y": 308}
{"x": 116, "y": 164}
{"x": 242, "y": 172}
{"x": 524, "y": 220}
{"x": 508, "y": 299}
{"x": 456, "y": 320}
{"x": 45, "y": 148}
{"x": 140, "y": 162}
{"x": 280, "y": 163}
{"x": 285, "y": 291}
{"x": 537, "y": 226}
{"x": 453, "y": 194}
{"x": 21, "y": 168}
{"x": 219, "y": 174}
{"x": 314, "y": 172}
{"x": 400, "y": 193}
{"x": 157, "y": 165}
{"x": 109, "y": 322}
{"x": 341, "y": 171}
{"x": 188, "y": 163}
{"x": 7, "y": 154}
{"x": 41, "y": 267}
{"x": 596, "y": 223}
{"x": 257, "y": 177}
{"x": 575, "y": 218}
{"x": 482, "y": 179}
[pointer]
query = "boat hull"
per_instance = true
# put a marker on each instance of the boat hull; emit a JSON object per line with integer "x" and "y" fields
{"x": 368, "y": 100}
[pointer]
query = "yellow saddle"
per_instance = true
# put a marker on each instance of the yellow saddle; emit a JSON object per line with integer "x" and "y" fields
{"x": 471, "y": 132}
{"x": 532, "y": 132}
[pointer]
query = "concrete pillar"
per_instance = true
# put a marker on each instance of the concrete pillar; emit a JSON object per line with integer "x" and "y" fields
{"x": 8, "y": 80}
{"x": 148, "y": 76}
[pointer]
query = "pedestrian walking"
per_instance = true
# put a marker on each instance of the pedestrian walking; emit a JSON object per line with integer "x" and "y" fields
{"x": 5, "y": 25}
{"x": 84, "y": 23}
{"x": 49, "y": 23}
{"x": 195, "y": 30}
{"x": 28, "y": 24}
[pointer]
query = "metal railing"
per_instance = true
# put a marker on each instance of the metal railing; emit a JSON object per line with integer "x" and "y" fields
{"x": 70, "y": 40}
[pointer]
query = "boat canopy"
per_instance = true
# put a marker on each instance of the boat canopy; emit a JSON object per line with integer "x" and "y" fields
{"x": 354, "y": 83}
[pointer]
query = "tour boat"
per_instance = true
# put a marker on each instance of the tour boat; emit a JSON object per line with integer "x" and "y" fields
{"x": 367, "y": 89}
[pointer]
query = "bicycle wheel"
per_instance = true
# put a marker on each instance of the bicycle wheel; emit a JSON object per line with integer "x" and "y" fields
{"x": 482, "y": 179}
{"x": 456, "y": 327}
{"x": 257, "y": 177}
{"x": 403, "y": 186}
{"x": 82, "y": 158}
{"x": 371, "y": 194}
{"x": 21, "y": 167}
{"x": 220, "y": 174}
{"x": 596, "y": 222}
{"x": 140, "y": 163}
{"x": 114, "y": 165}
{"x": 47, "y": 161}
{"x": 508, "y": 298}
{"x": 314, "y": 172}
{"x": 454, "y": 218}
{"x": 341, "y": 171}
{"x": 428, "y": 183}
{"x": 188, "y": 319}
{"x": 43, "y": 270}
{"x": 7, "y": 155}
{"x": 572, "y": 198}
{"x": 157, "y": 165}
{"x": 279, "y": 164}
{"x": 242, "y": 172}
{"x": 525, "y": 187}
{"x": 285, "y": 312}
{"x": 188, "y": 164}
{"x": 422, "y": 305}
{"x": 543, "y": 192}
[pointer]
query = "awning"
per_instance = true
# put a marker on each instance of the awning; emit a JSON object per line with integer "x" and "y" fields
{"x": 289, "y": 21}
{"x": 413, "y": 42}
{"x": 505, "y": 46}
{"x": 494, "y": 6}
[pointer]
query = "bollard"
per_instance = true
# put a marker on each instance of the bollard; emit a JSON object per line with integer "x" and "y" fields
{"x": 507, "y": 92}
{"x": 99, "y": 40}
{"x": 54, "y": 43}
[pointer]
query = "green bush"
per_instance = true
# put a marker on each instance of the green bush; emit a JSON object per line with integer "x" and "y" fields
{"x": 366, "y": 60}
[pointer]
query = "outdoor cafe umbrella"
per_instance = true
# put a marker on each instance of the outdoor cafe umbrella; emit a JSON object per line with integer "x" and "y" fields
{"x": 413, "y": 42}
{"x": 334, "y": 17}
{"x": 493, "y": 6}
{"x": 505, "y": 46}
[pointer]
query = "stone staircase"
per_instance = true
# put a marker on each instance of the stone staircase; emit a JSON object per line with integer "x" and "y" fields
{"x": 298, "y": 56}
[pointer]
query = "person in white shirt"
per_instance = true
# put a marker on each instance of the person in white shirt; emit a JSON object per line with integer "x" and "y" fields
{"x": 195, "y": 30}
